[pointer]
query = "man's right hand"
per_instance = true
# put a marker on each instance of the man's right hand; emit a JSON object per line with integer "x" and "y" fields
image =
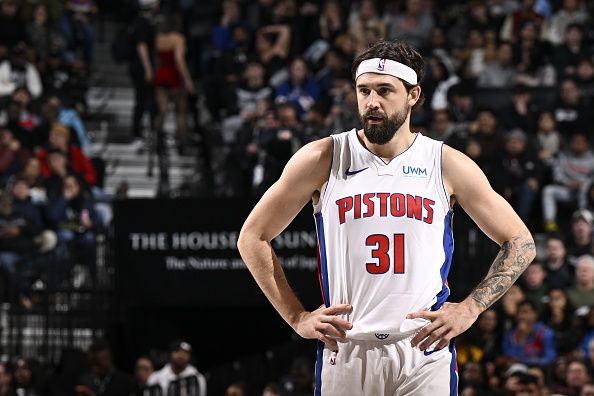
{"x": 324, "y": 324}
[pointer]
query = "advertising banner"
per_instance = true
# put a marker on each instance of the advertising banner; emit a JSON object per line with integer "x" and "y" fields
{"x": 184, "y": 252}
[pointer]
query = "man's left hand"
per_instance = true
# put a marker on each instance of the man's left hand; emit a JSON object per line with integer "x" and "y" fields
{"x": 451, "y": 320}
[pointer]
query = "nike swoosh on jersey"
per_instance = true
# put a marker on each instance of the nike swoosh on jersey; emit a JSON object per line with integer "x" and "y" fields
{"x": 427, "y": 353}
{"x": 351, "y": 173}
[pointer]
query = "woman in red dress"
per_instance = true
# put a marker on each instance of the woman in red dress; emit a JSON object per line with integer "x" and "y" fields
{"x": 172, "y": 78}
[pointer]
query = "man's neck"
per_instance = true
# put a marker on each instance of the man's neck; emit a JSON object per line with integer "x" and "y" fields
{"x": 401, "y": 141}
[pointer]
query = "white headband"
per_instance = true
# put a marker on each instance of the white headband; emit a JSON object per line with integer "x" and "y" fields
{"x": 387, "y": 66}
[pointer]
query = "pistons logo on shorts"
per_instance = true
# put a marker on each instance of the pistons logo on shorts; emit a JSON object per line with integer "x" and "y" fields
{"x": 381, "y": 64}
{"x": 381, "y": 336}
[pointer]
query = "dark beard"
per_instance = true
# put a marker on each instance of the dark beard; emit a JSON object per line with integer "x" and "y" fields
{"x": 384, "y": 132}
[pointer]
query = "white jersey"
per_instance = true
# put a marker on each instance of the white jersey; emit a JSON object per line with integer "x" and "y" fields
{"x": 385, "y": 236}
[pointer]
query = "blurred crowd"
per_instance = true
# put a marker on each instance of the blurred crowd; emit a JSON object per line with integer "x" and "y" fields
{"x": 51, "y": 200}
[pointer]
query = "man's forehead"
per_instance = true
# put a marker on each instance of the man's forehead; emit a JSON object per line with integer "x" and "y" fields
{"x": 377, "y": 79}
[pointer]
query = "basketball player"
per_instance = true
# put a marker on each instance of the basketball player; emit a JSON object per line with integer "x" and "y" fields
{"x": 382, "y": 199}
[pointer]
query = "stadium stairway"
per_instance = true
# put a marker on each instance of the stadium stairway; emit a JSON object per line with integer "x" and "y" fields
{"x": 110, "y": 102}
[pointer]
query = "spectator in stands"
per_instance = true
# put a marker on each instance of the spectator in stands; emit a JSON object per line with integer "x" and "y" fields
{"x": 18, "y": 72}
{"x": 442, "y": 77}
{"x": 510, "y": 31}
{"x": 252, "y": 89}
{"x": 69, "y": 117}
{"x": 558, "y": 374}
{"x": 103, "y": 378}
{"x": 365, "y": 18}
{"x": 29, "y": 379}
{"x": 473, "y": 55}
{"x": 24, "y": 137}
{"x": 572, "y": 113}
{"x": 31, "y": 174}
{"x": 582, "y": 294}
{"x": 558, "y": 315}
{"x": 441, "y": 127}
{"x": 571, "y": 12}
{"x": 272, "y": 45}
{"x": 580, "y": 238}
{"x": 528, "y": 386}
{"x": 587, "y": 389}
{"x": 413, "y": 25}
{"x": 522, "y": 173}
{"x": 332, "y": 75}
{"x": 585, "y": 76}
{"x": 499, "y": 73}
{"x": 17, "y": 242}
{"x": 571, "y": 174}
{"x": 344, "y": 112}
{"x": 79, "y": 163}
{"x": 222, "y": 34}
{"x": 12, "y": 28}
{"x": 172, "y": 78}
{"x": 237, "y": 389}
{"x": 331, "y": 22}
{"x": 250, "y": 95}
{"x": 72, "y": 215}
{"x": 566, "y": 54}
{"x": 522, "y": 112}
{"x": 535, "y": 287}
{"x": 141, "y": 67}
{"x": 13, "y": 155}
{"x": 559, "y": 271}
{"x": 58, "y": 170}
{"x": 300, "y": 90}
{"x": 273, "y": 389}
{"x": 63, "y": 79}
{"x": 143, "y": 369}
{"x": 72, "y": 210}
{"x": 300, "y": 379}
{"x": 508, "y": 307}
{"x": 43, "y": 36}
{"x": 473, "y": 378}
{"x": 530, "y": 342}
{"x": 577, "y": 376}
{"x": 462, "y": 107}
{"x": 6, "y": 388}
{"x": 548, "y": 139}
{"x": 586, "y": 332}
{"x": 179, "y": 370}
{"x": 482, "y": 342}
{"x": 24, "y": 205}
{"x": 77, "y": 26}
{"x": 531, "y": 59}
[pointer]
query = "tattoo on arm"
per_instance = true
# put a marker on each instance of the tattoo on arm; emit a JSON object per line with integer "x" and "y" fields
{"x": 512, "y": 260}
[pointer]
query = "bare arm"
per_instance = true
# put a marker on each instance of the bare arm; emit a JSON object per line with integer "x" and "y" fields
{"x": 469, "y": 186}
{"x": 305, "y": 173}
{"x": 180, "y": 62}
{"x": 493, "y": 214}
{"x": 283, "y": 40}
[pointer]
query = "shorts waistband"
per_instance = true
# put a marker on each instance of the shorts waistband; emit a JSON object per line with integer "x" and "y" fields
{"x": 382, "y": 336}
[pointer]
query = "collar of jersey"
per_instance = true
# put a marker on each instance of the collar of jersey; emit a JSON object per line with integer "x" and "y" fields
{"x": 376, "y": 159}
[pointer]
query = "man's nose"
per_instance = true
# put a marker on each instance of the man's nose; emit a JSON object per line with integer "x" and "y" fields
{"x": 373, "y": 101}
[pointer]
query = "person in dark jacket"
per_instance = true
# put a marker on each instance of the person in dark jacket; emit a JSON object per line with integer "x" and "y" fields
{"x": 522, "y": 173}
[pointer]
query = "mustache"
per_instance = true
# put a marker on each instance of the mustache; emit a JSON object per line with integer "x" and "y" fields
{"x": 375, "y": 114}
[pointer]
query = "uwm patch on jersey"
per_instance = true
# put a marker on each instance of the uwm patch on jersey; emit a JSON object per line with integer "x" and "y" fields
{"x": 384, "y": 235}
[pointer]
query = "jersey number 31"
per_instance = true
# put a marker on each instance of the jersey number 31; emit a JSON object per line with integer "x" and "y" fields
{"x": 382, "y": 253}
